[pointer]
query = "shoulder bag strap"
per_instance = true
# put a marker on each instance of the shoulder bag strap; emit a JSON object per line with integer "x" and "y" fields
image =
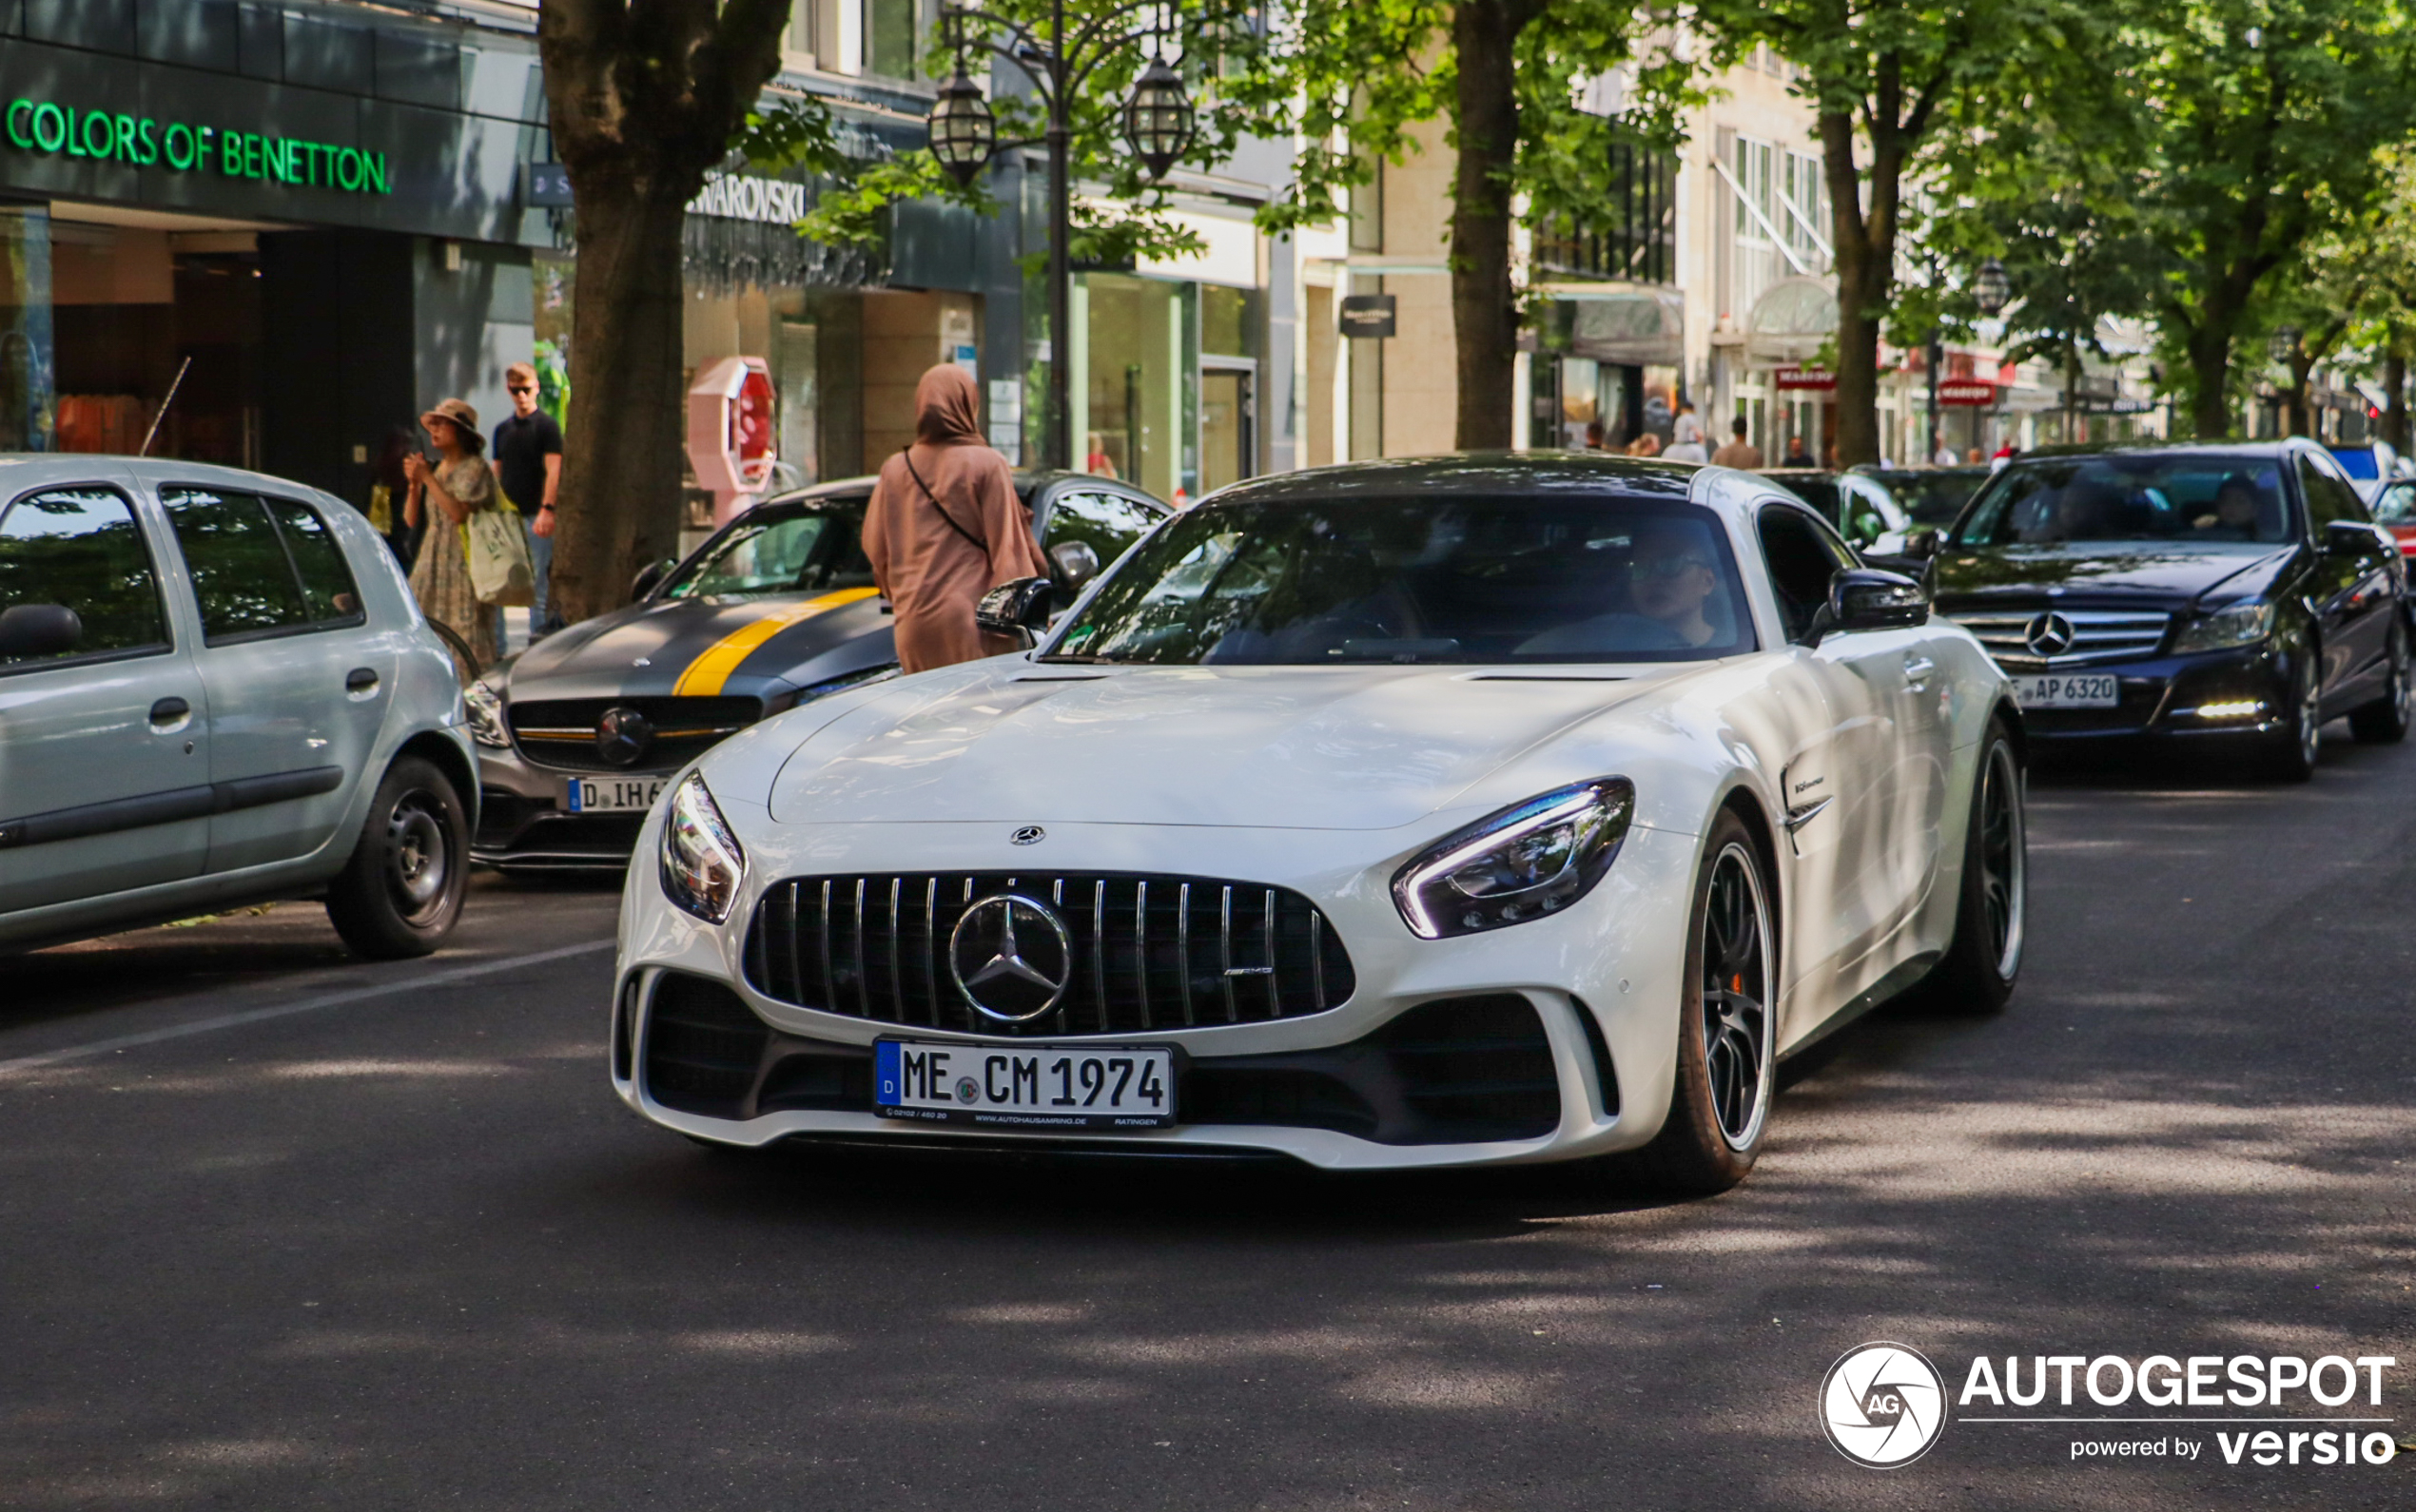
{"x": 971, "y": 539}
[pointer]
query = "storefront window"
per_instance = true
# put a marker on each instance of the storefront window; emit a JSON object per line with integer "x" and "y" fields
{"x": 1128, "y": 388}
{"x": 25, "y": 389}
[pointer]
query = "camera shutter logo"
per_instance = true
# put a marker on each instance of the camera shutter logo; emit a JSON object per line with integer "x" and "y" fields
{"x": 1884, "y": 1404}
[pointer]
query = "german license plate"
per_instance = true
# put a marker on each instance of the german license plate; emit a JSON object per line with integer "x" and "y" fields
{"x": 611, "y": 795}
{"x": 2068, "y": 691}
{"x": 1024, "y": 1086}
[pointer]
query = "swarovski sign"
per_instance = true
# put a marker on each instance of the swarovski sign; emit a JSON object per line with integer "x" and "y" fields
{"x": 744, "y": 196}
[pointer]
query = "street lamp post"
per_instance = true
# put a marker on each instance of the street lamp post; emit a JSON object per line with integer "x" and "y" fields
{"x": 1159, "y": 122}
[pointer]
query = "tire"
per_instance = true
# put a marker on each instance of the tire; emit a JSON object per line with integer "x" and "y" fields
{"x": 401, "y": 892}
{"x": 2289, "y": 754}
{"x": 1725, "y": 1073}
{"x": 1983, "y": 960}
{"x": 2383, "y": 722}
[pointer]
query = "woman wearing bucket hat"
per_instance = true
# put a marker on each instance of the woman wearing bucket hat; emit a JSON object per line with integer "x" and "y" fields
{"x": 459, "y": 485}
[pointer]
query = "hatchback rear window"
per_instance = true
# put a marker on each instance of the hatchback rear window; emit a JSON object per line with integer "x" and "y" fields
{"x": 260, "y": 567}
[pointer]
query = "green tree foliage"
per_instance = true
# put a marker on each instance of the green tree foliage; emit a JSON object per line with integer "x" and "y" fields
{"x": 2264, "y": 128}
{"x": 1895, "y": 87}
{"x": 1351, "y": 78}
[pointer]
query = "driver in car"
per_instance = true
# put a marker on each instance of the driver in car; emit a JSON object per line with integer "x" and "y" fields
{"x": 2235, "y": 510}
{"x": 1671, "y": 582}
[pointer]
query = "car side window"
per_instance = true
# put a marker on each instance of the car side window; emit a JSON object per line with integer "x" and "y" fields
{"x": 260, "y": 567}
{"x": 2328, "y": 498}
{"x": 1109, "y": 522}
{"x": 1803, "y": 559}
{"x": 2396, "y": 504}
{"x": 82, "y": 548}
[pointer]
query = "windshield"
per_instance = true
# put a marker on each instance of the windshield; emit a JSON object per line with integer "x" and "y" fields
{"x": 2181, "y": 498}
{"x": 790, "y": 551}
{"x": 1398, "y": 580}
{"x": 1934, "y": 498}
{"x": 2357, "y": 461}
{"x": 2396, "y": 504}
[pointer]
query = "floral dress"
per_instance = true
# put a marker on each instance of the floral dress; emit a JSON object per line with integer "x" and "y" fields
{"x": 440, "y": 574}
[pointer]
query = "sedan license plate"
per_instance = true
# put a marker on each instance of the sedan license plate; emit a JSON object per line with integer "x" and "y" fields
{"x": 1025, "y": 1086}
{"x": 611, "y": 795}
{"x": 2068, "y": 691}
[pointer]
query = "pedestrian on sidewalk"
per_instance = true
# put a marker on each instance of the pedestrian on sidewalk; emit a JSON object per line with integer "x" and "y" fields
{"x": 528, "y": 463}
{"x": 443, "y": 496}
{"x": 945, "y": 527}
{"x": 1739, "y": 453}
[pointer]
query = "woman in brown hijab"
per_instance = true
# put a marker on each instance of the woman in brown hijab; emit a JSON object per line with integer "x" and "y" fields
{"x": 945, "y": 527}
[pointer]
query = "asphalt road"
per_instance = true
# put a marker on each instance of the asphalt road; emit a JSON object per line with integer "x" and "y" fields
{"x": 259, "y": 1248}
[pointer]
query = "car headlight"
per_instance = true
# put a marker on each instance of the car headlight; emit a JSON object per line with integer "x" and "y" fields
{"x": 1530, "y": 860}
{"x": 703, "y": 863}
{"x": 2240, "y": 625}
{"x": 486, "y": 714}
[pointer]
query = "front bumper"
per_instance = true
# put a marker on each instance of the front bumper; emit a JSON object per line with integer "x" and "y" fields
{"x": 1547, "y": 1040}
{"x": 523, "y": 824}
{"x": 2245, "y": 691}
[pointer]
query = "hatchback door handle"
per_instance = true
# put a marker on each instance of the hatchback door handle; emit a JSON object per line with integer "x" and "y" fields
{"x": 359, "y": 680}
{"x": 168, "y": 710}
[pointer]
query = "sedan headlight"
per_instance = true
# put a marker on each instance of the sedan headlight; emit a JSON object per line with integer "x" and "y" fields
{"x": 2240, "y": 625}
{"x": 485, "y": 705}
{"x": 703, "y": 863}
{"x": 1530, "y": 860}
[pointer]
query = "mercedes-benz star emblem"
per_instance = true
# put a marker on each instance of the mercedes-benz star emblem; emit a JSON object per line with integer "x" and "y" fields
{"x": 622, "y": 735}
{"x": 1028, "y": 835}
{"x": 1011, "y": 956}
{"x": 2049, "y": 634}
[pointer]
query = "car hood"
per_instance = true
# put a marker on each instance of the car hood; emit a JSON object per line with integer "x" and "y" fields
{"x": 2158, "y": 570}
{"x": 1278, "y": 748}
{"x": 697, "y": 646}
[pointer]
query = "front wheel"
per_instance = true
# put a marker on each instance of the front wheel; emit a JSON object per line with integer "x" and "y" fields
{"x": 1983, "y": 960}
{"x": 2383, "y": 722}
{"x": 2290, "y": 751}
{"x": 1727, "y": 1029}
{"x": 401, "y": 893}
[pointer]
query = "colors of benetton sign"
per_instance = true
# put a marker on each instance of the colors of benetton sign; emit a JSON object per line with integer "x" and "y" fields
{"x": 38, "y": 126}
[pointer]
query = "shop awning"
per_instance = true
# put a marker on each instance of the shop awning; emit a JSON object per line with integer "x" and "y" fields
{"x": 1790, "y": 322}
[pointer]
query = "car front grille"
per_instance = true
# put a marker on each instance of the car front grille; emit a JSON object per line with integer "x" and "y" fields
{"x": 2097, "y": 636}
{"x": 560, "y": 732}
{"x": 1148, "y": 953}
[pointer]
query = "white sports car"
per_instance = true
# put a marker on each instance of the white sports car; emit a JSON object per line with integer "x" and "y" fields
{"x": 1479, "y": 810}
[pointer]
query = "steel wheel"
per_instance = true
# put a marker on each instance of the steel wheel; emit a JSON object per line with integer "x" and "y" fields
{"x": 1736, "y": 999}
{"x": 420, "y": 858}
{"x": 2003, "y": 858}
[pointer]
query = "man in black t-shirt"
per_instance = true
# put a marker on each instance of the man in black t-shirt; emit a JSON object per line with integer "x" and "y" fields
{"x": 528, "y": 462}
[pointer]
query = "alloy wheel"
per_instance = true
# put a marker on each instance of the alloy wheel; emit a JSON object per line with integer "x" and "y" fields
{"x": 419, "y": 860}
{"x": 2310, "y": 716}
{"x": 1736, "y": 998}
{"x": 2003, "y": 858}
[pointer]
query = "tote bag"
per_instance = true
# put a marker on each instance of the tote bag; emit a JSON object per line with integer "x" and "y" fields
{"x": 498, "y": 548}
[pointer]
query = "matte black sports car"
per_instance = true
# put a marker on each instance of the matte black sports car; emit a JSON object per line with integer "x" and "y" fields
{"x": 577, "y": 734}
{"x": 2237, "y": 593}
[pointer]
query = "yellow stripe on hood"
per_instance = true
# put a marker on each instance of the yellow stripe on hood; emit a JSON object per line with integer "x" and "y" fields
{"x": 709, "y": 673}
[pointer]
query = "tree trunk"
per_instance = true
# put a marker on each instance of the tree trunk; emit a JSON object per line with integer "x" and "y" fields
{"x": 1484, "y": 316}
{"x": 642, "y": 100}
{"x": 623, "y": 449}
{"x": 1865, "y": 272}
{"x": 2210, "y": 348}
{"x": 2395, "y": 387}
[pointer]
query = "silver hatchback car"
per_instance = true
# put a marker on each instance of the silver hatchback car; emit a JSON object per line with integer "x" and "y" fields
{"x": 216, "y": 689}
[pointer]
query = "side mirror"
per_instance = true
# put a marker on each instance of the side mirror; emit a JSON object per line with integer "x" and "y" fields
{"x": 1866, "y": 599}
{"x": 648, "y": 577}
{"x": 1016, "y": 608}
{"x": 38, "y": 629}
{"x": 2350, "y": 538}
{"x": 1076, "y": 563}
